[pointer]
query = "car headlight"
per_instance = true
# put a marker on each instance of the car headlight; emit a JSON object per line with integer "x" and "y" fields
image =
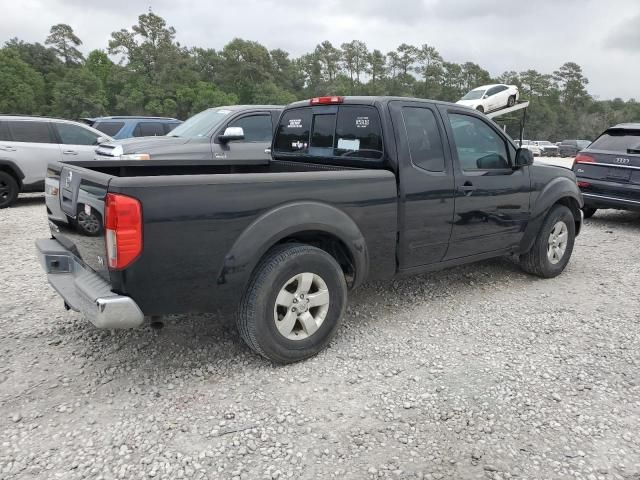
{"x": 135, "y": 156}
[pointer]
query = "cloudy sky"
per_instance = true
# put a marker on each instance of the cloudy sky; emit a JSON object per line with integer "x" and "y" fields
{"x": 602, "y": 36}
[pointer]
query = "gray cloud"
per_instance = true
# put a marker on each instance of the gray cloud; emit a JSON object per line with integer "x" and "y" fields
{"x": 497, "y": 34}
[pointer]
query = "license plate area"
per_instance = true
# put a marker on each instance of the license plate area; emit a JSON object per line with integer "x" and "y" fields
{"x": 619, "y": 174}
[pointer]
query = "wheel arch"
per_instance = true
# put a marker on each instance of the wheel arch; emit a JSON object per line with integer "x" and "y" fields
{"x": 12, "y": 169}
{"x": 312, "y": 223}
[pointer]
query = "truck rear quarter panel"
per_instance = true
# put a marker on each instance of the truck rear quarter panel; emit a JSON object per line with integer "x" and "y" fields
{"x": 192, "y": 224}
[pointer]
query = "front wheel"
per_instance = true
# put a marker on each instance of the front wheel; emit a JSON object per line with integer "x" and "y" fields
{"x": 553, "y": 245}
{"x": 8, "y": 190}
{"x": 480, "y": 108}
{"x": 294, "y": 303}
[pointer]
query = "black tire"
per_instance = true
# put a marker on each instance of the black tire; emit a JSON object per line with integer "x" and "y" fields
{"x": 9, "y": 189}
{"x": 256, "y": 318}
{"x": 512, "y": 101}
{"x": 589, "y": 211}
{"x": 536, "y": 260}
{"x": 480, "y": 108}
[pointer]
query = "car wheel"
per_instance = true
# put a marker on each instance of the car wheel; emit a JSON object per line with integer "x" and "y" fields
{"x": 480, "y": 108}
{"x": 553, "y": 245}
{"x": 589, "y": 211}
{"x": 89, "y": 223}
{"x": 294, "y": 303}
{"x": 512, "y": 101}
{"x": 8, "y": 189}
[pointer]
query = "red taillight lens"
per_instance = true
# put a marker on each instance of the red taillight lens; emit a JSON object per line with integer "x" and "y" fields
{"x": 331, "y": 100}
{"x": 583, "y": 184}
{"x": 123, "y": 230}
{"x": 582, "y": 158}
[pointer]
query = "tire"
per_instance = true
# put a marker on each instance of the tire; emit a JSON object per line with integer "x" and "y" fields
{"x": 537, "y": 261}
{"x": 589, "y": 211}
{"x": 480, "y": 108}
{"x": 89, "y": 224}
{"x": 264, "y": 324}
{"x": 512, "y": 101}
{"x": 8, "y": 189}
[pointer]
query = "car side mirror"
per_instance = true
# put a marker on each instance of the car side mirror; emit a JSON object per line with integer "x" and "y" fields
{"x": 100, "y": 140}
{"x": 524, "y": 158}
{"x": 484, "y": 97}
{"x": 230, "y": 134}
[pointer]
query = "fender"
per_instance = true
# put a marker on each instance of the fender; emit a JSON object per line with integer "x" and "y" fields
{"x": 559, "y": 187}
{"x": 13, "y": 168}
{"x": 281, "y": 222}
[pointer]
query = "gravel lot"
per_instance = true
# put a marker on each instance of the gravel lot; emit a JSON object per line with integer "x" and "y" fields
{"x": 474, "y": 372}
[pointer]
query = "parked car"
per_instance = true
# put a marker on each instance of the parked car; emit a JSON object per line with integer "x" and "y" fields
{"x": 608, "y": 170}
{"x": 547, "y": 149}
{"x": 531, "y": 146}
{"x": 570, "y": 148}
{"x": 357, "y": 189}
{"x": 211, "y": 134}
{"x": 127, "y": 127}
{"x": 28, "y": 144}
{"x": 489, "y": 98}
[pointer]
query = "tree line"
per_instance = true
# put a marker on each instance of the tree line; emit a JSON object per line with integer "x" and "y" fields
{"x": 153, "y": 74}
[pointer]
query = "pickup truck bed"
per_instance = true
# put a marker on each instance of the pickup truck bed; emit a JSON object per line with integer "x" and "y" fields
{"x": 358, "y": 188}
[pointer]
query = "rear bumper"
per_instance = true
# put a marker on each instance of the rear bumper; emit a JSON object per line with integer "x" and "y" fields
{"x": 607, "y": 201}
{"x": 84, "y": 291}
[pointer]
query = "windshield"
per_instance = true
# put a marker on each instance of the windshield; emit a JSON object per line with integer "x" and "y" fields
{"x": 200, "y": 124}
{"x": 473, "y": 95}
{"x": 544, "y": 142}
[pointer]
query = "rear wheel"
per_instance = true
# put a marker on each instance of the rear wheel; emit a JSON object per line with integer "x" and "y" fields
{"x": 512, "y": 101}
{"x": 8, "y": 189}
{"x": 553, "y": 246}
{"x": 589, "y": 211}
{"x": 294, "y": 303}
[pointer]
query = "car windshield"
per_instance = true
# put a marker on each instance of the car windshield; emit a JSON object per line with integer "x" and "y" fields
{"x": 200, "y": 124}
{"x": 473, "y": 95}
{"x": 544, "y": 142}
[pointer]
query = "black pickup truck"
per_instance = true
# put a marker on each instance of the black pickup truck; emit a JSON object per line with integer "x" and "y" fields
{"x": 357, "y": 189}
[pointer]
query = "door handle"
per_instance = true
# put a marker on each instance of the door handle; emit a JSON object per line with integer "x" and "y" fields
{"x": 467, "y": 188}
{"x": 69, "y": 152}
{"x": 267, "y": 151}
{"x": 6, "y": 148}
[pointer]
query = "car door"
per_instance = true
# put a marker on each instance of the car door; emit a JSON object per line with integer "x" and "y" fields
{"x": 501, "y": 97}
{"x": 258, "y": 132}
{"x": 76, "y": 142}
{"x": 492, "y": 198}
{"x": 31, "y": 148}
{"x": 491, "y": 101}
{"x": 426, "y": 183}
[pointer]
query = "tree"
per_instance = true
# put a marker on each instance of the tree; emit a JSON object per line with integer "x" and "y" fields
{"x": 78, "y": 94}
{"x": 329, "y": 58}
{"x": 377, "y": 66}
{"x": 572, "y": 84}
{"x": 407, "y": 55}
{"x": 429, "y": 66}
{"x": 21, "y": 86}
{"x": 64, "y": 42}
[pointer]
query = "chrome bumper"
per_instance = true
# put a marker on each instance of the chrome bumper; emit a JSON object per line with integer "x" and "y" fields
{"x": 84, "y": 291}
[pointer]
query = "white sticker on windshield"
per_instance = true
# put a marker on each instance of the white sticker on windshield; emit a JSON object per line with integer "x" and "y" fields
{"x": 295, "y": 123}
{"x": 299, "y": 145}
{"x": 224, "y": 112}
{"x": 362, "y": 122}
{"x": 346, "y": 144}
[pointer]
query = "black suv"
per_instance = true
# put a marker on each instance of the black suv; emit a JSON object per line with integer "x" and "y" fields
{"x": 570, "y": 148}
{"x": 608, "y": 172}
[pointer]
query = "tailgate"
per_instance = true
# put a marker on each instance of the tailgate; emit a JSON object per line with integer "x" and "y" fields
{"x": 75, "y": 206}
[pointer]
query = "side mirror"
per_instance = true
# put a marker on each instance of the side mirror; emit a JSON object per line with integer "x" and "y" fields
{"x": 484, "y": 97}
{"x": 524, "y": 157}
{"x": 100, "y": 140}
{"x": 230, "y": 134}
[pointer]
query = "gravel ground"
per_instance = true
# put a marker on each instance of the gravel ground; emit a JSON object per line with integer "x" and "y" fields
{"x": 474, "y": 372}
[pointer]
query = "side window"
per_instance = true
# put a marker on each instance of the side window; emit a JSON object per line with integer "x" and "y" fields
{"x": 492, "y": 91}
{"x": 358, "y": 132}
{"x": 74, "y": 135}
{"x": 425, "y": 143}
{"x": 294, "y": 128}
{"x": 324, "y": 127}
{"x": 479, "y": 146}
{"x": 32, "y": 132}
{"x": 109, "y": 128}
{"x": 148, "y": 129}
{"x": 4, "y": 132}
{"x": 257, "y": 128}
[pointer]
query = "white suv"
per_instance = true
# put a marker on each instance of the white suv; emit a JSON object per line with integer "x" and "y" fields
{"x": 29, "y": 144}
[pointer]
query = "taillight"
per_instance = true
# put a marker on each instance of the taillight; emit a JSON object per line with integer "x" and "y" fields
{"x": 123, "y": 230}
{"x": 582, "y": 158}
{"x": 330, "y": 100}
{"x": 583, "y": 184}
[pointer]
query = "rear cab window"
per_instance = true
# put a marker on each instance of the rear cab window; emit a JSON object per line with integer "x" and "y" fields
{"x": 339, "y": 134}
